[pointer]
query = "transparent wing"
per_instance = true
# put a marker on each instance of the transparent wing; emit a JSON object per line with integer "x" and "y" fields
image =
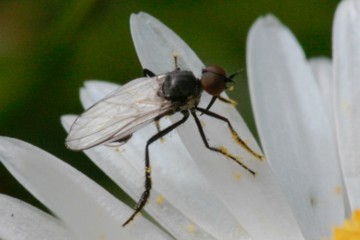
{"x": 119, "y": 114}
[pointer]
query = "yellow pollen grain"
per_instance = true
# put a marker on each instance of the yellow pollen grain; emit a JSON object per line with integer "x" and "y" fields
{"x": 160, "y": 199}
{"x": 191, "y": 228}
{"x": 148, "y": 169}
{"x": 346, "y": 106}
{"x": 231, "y": 88}
{"x": 102, "y": 236}
{"x": 117, "y": 149}
{"x": 236, "y": 175}
{"x": 350, "y": 228}
{"x": 224, "y": 150}
{"x": 338, "y": 189}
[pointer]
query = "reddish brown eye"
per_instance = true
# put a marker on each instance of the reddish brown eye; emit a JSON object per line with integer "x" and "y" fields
{"x": 213, "y": 80}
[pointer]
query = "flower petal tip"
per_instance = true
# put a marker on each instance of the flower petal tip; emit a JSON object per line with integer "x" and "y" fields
{"x": 351, "y": 7}
{"x": 67, "y": 120}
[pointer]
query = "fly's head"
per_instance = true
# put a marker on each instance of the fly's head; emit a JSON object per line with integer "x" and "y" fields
{"x": 213, "y": 80}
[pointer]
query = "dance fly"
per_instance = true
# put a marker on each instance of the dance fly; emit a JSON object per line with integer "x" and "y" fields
{"x": 144, "y": 100}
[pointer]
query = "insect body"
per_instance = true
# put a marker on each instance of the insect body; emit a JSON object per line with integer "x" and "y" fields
{"x": 148, "y": 99}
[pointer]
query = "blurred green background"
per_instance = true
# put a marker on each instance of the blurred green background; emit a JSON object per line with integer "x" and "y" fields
{"x": 48, "y": 48}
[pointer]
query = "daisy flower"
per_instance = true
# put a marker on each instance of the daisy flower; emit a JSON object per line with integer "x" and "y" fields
{"x": 305, "y": 186}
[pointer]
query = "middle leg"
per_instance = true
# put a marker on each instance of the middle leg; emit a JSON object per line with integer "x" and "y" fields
{"x": 219, "y": 150}
{"x": 234, "y": 134}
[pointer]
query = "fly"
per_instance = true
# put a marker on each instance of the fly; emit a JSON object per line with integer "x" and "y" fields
{"x": 141, "y": 101}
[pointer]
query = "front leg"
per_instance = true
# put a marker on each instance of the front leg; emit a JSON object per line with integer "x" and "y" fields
{"x": 229, "y": 101}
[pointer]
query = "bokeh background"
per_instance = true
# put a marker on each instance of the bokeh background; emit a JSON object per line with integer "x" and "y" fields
{"x": 49, "y": 47}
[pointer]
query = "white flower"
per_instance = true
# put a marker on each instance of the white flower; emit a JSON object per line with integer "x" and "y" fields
{"x": 294, "y": 102}
{"x": 84, "y": 209}
{"x": 297, "y": 192}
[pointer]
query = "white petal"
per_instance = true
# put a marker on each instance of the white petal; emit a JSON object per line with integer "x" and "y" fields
{"x": 185, "y": 213}
{"x": 294, "y": 127}
{"x": 255, "y": 202}
{"x": 156, "y": 46}
{"x": 87, "y": 209}
{"x": 98, "y": 90}
{"x": 20, "y": 221}
{"x": 346, "y": 57}
{"x": 151, "y": 40}
{"x": 323, "y": 72}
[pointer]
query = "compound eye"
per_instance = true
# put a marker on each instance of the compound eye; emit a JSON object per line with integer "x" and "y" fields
{"x": 213, "y": 80}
